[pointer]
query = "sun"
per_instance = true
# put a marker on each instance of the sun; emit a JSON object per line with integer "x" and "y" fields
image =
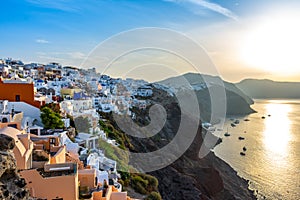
{"x": 273, "y": 44}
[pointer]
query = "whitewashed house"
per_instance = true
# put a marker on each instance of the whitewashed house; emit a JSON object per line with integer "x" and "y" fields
{"x": 87, "y": 140}
{"x": 144, "y": 91}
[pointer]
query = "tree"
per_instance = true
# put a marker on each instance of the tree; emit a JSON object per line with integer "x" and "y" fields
{"x": 53, "y": 106}
{"x": 51, "y": 119}
{"x": 82, "y": 124}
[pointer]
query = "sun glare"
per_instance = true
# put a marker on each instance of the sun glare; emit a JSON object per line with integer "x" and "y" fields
{"x": 273, "y": 44}
{"x": 277, "y": 128}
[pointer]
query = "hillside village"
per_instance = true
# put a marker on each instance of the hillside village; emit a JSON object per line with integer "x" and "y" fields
{"x": 53, "y": 113}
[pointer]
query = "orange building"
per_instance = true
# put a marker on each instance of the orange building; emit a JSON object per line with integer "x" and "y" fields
{"x": 87, "y": 177}
{"x": 23, "y": 147}
{"x": 18, "y": 90}
{"x": 54, "y": 181}
{"x": 48, "y": 175}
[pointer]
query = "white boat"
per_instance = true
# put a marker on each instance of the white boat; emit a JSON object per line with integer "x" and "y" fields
{"x": 236, "y": 121}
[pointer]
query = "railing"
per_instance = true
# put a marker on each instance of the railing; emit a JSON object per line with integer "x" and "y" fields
{"x": 60, "y": 167}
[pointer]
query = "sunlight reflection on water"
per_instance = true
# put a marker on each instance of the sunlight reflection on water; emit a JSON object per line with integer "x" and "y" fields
{"x": 277, "y": 128}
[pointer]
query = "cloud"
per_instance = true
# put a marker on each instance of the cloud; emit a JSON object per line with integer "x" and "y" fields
{"x": 65, "y": 58}
{"x": 76, "y": 55}
{"x": 42, "y": 41}
{"x": 63, "y": 5}
{"x": 209, "y": 5}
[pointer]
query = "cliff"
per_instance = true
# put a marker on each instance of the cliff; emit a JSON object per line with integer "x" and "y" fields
{"x": 11, "y": 185}
{"x": 189, "y": 177}
{"x": 237, "y": 102}
{"x": 208, "y": 178}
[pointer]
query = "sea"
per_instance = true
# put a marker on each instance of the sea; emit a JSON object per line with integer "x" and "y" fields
{"x": 271, "y": 138}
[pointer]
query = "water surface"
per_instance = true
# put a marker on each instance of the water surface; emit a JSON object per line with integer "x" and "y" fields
{"x": 272, "y": 161}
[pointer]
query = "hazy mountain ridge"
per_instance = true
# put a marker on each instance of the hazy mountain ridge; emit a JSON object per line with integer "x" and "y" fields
{"x": 237, "y": 102}
{"x": 194, "y": 78}
{"x": 265, "y": 88}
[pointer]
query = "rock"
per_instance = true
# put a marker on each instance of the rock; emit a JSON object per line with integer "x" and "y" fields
{"x": 11, "y": 185}
{"x": 6, "y": 143}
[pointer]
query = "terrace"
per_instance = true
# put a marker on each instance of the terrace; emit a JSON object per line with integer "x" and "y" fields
{"x": 60, "y": 169}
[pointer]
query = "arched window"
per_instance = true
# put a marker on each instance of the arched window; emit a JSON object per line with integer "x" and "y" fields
{"x": 4, "y": 120}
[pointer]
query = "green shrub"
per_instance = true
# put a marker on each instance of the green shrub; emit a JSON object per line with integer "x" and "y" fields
{"x": 124, "y": 175}
{"x": 152, "y": 182}
{"x": 153, "y": 196}
{"x": 139, "y": 188}
{"x": 127, "y": 183}
{"x": 138, "y": 179}
{"x": 114, "y": 133}
{"x": 144, "y": 183}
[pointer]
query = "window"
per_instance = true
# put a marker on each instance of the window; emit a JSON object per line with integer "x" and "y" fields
{"x": 4, "y": 120}
{"x": 34, "y": 131}
{"x": 52, "y": 141}
{"x": 18, "y": 98}
{"x": 96, "y": 180}
{"x": 91, "y": 144}
{"x": 13, "y": 125}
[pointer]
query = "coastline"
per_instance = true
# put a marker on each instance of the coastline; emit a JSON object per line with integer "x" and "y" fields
{"x": 232, "y": 180}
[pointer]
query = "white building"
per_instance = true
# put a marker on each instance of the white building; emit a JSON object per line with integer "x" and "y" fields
{"x": 144, "y": 91}
{"x": 73, "y": 107}
{"x": 88, "y": 141}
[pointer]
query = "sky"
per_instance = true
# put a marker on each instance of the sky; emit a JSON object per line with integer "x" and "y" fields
{"x": 241, "y": 38}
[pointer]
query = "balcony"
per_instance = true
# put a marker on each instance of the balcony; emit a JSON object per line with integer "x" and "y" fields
{"x": 60, "y": 169}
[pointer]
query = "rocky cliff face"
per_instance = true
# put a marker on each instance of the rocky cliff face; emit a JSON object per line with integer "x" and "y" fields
{"x": 11, "y": 185}
{"x": 189, "y": 177}
{"x": 193, "y": 178}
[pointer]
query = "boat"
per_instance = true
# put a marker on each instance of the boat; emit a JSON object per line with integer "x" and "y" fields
{"x": 244, "y": 149}
{"x": 227, "y": 134}
{"x": 241, "y": 138}
{"x": 269, "y": 115}
{"x": 242, "y": 154}
{"x": 208, "y": 126}
{"x": 233, "y": 125}
{"x": 236, "y": 121}
{"x": 263, "y": 117}
{"x": 246, "y": 120}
